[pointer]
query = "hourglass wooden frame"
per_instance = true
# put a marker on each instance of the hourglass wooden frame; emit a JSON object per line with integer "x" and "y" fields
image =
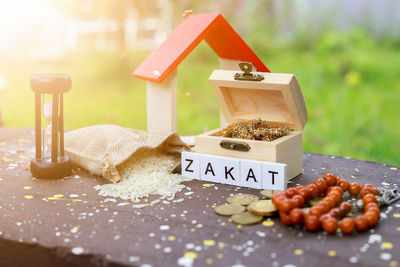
{"x": 58, "y": 165}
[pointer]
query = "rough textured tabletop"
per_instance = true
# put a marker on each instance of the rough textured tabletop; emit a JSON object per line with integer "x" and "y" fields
{"x": 65, "y": 222}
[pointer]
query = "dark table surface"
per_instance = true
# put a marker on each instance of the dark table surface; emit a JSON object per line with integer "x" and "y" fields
{"x": 66, "y": 223}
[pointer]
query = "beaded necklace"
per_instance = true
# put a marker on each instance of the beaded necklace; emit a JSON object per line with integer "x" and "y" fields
{"x": 327, "y": 213}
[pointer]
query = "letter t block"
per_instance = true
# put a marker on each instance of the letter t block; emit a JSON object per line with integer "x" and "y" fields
{"x": 274, "y": 176}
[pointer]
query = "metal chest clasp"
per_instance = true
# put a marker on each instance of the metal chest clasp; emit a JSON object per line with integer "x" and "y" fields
{"x": 236, "y": 146}
{"x": 246, "y": 75}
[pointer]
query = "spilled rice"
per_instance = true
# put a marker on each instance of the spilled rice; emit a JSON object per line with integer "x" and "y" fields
{"x": 146, "y": 173}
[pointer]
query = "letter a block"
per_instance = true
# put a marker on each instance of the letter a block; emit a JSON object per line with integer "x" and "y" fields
{"x": 210, "y": 168}
{"x": 190, "y": 165}
{"x": 251, "y": 173}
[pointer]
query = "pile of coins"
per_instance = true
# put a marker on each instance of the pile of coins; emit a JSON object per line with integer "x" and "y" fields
{"x": 256, "y": 129}
{"x": 246, "y": 209}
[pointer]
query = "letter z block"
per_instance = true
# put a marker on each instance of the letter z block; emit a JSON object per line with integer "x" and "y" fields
{"x": 190, "y": 165}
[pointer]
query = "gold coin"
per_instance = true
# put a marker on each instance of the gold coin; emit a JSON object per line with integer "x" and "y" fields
{"x": 314, "y": 201}
{"x": 246, "y": 218}
{"x": 262, "y": 207}
{"x": 268, "y": 193}
{"x": 228, "y": 209}
{"x": 244, "y": 199}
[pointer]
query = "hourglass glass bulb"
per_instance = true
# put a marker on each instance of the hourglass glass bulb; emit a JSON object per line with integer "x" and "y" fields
{"x": 46, "y": 144}
{"x": 47, "y": 114}
{"x": 47, "y": 111}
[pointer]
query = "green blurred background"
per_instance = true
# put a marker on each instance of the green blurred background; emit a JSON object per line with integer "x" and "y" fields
{"x": 345, "y": 55}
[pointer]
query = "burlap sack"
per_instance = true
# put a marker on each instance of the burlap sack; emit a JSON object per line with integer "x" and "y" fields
{"x": 101, "y": 148}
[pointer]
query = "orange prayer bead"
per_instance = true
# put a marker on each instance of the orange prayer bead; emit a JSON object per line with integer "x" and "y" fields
{"x": 290, "y": 192}
{"x": 285, "y": 218}
{"x": 345, "y": 207}
{"x": 375, "y": 211}
{"x": 361, "y": 223}
{"x": 336, "y": 196}
{"x": 336, "y": 213}
{"x": 347, "y": 226}
{"x": 336, "y": 188}
{"x": 330, "y": 179}
{"x": 344, "y": 185}
{"x": 367, "y": 188}
{"x": 354, "y": 189}
{"x": 313, "y": 189}
{"x": 299, "y": 201}
{"x": 330, "y": 201}
{"x": 296, "y": 216}
{"x": 369, "y": 198}
{"x": 312, "y": 223}
{"x": 371, "y": 205}
{"x": 287, "y": 205}
{"x": 323, "y": 206}
{"x": 315, "y": 211}
{"x": 322, "y": 185}
{"x": 305, "y": 193}
{"x": 330, "y": 225}
{"x": 371, "y": 218}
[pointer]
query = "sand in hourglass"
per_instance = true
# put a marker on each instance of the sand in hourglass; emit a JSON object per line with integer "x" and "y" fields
{"x": 46, "y": 135}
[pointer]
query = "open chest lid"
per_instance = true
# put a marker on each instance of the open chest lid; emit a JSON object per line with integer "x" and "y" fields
{"x": 275, "y": 97}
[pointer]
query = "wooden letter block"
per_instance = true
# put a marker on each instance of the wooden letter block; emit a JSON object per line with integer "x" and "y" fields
{"x": 230, "y": 171}
{"x": 190, "y": 165}
{"x": 251, "y": 173}
{"x": 210, "y": 168}
{"x": 274, "y": 176}
{"x": 233, "y": 171}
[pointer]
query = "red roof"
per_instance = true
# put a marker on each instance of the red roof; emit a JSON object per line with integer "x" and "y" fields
{"x": 213, "y": 28}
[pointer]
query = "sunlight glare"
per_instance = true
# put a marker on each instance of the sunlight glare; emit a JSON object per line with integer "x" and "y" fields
{"x": 3, "y": 82}
{"x": 20, "y": 18}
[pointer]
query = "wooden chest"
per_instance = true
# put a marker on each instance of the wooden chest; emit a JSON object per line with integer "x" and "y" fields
{"x": 277, "y": 99}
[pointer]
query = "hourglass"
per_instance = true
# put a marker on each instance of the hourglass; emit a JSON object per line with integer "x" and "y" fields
{"x": 49, "y": 89}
